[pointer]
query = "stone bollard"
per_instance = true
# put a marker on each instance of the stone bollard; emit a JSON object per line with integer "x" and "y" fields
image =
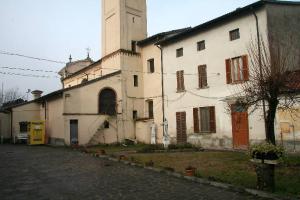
{"x": 265, "y": 176}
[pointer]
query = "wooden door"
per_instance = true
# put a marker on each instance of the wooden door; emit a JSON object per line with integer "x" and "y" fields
{"x": 74, "y": 132}
{"x": 240, "y": 127}
{"x": 181, "y": 127}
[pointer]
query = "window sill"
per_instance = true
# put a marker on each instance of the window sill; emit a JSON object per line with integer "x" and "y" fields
{"x": 231, "y": 40}
{"x": 237, "y": 82}
{"x": 205, "y": 133}
{"x": 180, "y": 91}
{"x": 203, "y": 88}
{"x": 143, "y": 119}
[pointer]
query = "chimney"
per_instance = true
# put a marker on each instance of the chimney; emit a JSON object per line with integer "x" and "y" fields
{"x": 36, "y": 94}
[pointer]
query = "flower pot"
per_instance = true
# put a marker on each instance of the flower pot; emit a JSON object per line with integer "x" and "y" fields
{"x": 190, "y": 171}
{"x": 122, "y": 157}
{"x": 265, "y": 156}
{"x": 101, "y": 152}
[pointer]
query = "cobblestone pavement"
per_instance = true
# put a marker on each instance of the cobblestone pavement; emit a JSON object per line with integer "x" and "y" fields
{"x": 60, "y": 173}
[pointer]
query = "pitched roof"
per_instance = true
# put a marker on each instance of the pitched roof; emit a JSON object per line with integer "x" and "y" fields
{"x": 58, "y": 93}
{"x": 160, "y": 36}
{"x": 294, "y": 81}
{"x": 224, "y": 18}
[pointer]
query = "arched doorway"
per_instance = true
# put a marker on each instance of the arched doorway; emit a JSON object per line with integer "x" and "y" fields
{"x": 107, "y": 102}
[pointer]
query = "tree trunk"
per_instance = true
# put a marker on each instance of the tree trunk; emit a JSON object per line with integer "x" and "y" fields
{"x": 271, "y": 113}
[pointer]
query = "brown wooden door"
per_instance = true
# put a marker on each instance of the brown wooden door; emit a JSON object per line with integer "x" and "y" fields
{"x": 240, "y": 127}
{"x": 181, "y": 127}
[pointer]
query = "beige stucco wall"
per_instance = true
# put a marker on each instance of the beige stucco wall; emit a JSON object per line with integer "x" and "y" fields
{"x": 55, "y": 120}
{"x": 143, "y": 131}
{"x": 288, "y": 128}
{"x": 5, "y": 125}
{"x": 82, "y": 104}
{"x": 153, "y": 86}
{"x": 118, "y": 26}
{"x": 27, "y": 112}
{"x": 218, "y": 49}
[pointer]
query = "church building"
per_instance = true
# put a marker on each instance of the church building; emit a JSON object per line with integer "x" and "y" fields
{"x": 170, "y": 87}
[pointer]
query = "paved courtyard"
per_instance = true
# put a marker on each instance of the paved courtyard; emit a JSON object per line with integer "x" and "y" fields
{"x": 60, "y": 173}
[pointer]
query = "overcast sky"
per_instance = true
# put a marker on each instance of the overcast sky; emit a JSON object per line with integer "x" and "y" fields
{"x": 54, "y": 29}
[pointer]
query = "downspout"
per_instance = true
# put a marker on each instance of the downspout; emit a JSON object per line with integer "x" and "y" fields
{"x": 46, "y": 123}
{"x": 260, "y": 65}
{"x": 162, "y": 84}
{"x": 11, "y": 126}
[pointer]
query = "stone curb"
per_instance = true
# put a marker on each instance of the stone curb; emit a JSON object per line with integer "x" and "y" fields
{"x": 201, "y": 181}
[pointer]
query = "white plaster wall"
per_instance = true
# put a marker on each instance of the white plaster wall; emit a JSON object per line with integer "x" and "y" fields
{"x": 218, "y": 49}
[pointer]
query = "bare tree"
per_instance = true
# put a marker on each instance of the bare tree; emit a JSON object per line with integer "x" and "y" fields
{"x": 11, "y": 95}
{"x": 273, "y": 82}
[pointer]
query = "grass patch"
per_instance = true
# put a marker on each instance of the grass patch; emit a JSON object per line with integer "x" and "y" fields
{"x": 117, "y": 148}
{"x": 228, "y": 167}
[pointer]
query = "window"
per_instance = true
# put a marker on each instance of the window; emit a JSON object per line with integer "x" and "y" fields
{"x": 134, "y": 114}
{"x": 107, "y": 102}
{"x": 180, "y": 81}
{"x": 150, "y": 109}
{"x": 84, "y": 80}
{"x": 135, "y": 80}
{"x": 202, "y": 76}
{"x": 179, "y": 52}
{"x": 201, "y": 45}
{"x": 133, "y": 46}
{"x": 23, "y": 127}
{"x": 106, "y": 124}
{"x": 234, "y": 34}
{"x": 150, "y": 63}
{"x": 237, "y": 69}
{"x": 204, "y": 120}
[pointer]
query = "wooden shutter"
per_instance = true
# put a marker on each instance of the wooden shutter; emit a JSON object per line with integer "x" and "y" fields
{"x": 245, "y": 68}
{"x": 196, "y": 120}
{"x": 228, "y": 71}
{"x": 180, "y": 80}
{"x": 181, "y": 127}
{"x": 212, "y": 119}
{"x": 202, "y": 76}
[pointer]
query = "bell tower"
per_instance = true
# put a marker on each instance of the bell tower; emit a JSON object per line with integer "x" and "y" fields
{"x": 123, "y": 23}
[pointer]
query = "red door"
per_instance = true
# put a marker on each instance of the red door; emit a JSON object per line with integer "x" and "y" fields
{"x": 181, "y": 127}
{"x": 240, "y": 127}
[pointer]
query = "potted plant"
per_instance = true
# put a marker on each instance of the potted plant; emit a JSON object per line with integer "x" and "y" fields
{"x": 100, "y": 152}
{"x": 149, "y": 163}
{"x": 266, "y": 151}
{"x": 190, "y": 171}
{"x": 122, "y": 157}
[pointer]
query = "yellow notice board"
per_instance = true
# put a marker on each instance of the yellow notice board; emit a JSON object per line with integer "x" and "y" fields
{"x": 37, "y": 133}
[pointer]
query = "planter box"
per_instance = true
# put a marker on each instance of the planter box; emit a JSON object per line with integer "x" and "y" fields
{"x": 265, "y": 156}
{"x": 190, "y": 171}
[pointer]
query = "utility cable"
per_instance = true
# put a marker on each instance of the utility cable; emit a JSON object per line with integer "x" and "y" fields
{"x": 30, "y": 57}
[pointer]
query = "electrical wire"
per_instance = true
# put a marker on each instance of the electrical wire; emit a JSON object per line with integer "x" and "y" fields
{"x": 27, "y": 75}
{"x": 30, "y": 57}
{"x": 27, "y": 69}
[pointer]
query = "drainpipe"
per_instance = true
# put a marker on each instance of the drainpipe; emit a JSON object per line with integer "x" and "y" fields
{"x": 46, "y": 123}
{"x": 11, "y": 126}
{"x": 260, "y": 65}
{"x": 162, "y": 84}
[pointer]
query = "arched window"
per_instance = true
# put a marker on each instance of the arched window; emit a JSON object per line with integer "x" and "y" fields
{"x": 107, "y": 102}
